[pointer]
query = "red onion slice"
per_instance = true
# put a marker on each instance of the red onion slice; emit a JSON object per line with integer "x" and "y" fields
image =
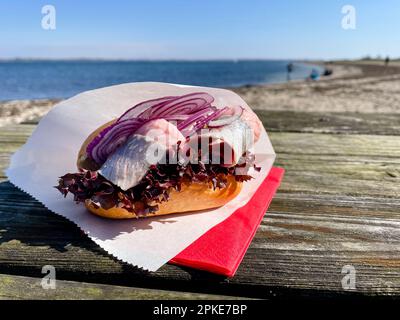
{"x": 217, "y": 113}
{"x": 143, "y": 106}
{"x": 186, "y": 104}
{"x": 193, "y": 109}
{"x": 111, "y": 138}
{"x": 193, "y": 118}
{"x": 201, "y": 122}
{"x": 177, "y": 117}
{"x": 230, "y": 115}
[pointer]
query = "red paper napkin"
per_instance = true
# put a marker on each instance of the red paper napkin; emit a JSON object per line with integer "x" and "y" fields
{"x": 222, "y": 248}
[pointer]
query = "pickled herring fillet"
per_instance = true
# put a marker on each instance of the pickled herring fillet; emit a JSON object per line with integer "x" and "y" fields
{"x": 127, "y": 166}
{"x": 130, "y": 162}
{"x": 228, "y": 143}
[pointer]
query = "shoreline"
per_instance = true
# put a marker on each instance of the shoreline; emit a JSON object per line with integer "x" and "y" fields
{"x": 20, "y": 111}
{"x": 354, "y": 86}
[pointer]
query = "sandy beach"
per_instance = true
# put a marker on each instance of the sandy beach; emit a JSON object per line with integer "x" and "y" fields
{"x": 362, "y": 86}
{"x": 354, "y": 87}
{"x": 18, "y": 111}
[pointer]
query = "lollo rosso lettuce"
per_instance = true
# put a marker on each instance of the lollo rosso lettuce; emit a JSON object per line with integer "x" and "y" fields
{"x": 154, "y": 188}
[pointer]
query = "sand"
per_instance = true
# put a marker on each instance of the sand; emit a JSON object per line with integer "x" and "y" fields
{"x": 355, "y": 87}
{"x": 363, "y": 86}
{"x": 18, "y": 111}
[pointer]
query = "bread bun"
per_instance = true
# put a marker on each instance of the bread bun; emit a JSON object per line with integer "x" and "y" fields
{"x": 192, "y": 197}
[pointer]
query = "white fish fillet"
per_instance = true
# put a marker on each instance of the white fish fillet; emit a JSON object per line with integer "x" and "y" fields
{"x": 237, "y": 138}
{"x": 130, "y": 162}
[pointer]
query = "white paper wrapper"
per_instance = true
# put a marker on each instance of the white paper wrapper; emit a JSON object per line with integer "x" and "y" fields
{"x": 52, "y": 150}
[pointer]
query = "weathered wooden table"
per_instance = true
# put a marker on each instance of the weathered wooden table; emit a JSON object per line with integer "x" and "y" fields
{"x": 339, "y": 204}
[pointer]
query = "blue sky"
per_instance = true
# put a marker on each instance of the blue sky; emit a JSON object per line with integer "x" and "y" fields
{"x": 199, "y": 29}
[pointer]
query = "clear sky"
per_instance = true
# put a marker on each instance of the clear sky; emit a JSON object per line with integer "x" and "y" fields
{"x": 199, "y": 29}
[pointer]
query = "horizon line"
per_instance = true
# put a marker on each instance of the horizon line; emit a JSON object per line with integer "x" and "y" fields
{"x": 89, "y": 59}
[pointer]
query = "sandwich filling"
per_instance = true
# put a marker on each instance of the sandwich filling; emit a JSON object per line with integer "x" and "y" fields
{"x": 124, "y": 174}
{"x": 154, "y": 187}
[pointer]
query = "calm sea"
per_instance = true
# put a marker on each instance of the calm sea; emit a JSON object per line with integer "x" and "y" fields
{"x": 62, "y": 79}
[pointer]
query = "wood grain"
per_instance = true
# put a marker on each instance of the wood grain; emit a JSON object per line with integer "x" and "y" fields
{"x": 300, "y": 248}
{"x": 341, "y": 123}
{"x": 28, "y": 288}
{"x": 339, "y": 204}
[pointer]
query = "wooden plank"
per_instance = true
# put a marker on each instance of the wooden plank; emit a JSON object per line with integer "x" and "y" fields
{"x": 359, "y": 159}
{"x": 11, "y": 138}
{"x": 339, "y": 164}
{"x": 300, "y": 248}
{"x": 307, "y": 239}
{"x": 338, "y": 205}
{"x": 28, "y": 288}
{"x": 16, "y": 133}
{"x": 289, "y": 121}
{"x": 318, "y": 122}
{"x": 336, "y": 145}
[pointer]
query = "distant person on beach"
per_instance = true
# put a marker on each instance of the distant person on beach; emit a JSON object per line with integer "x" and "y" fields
{"x": 327, "y": 72}
{"x": 314, "y": 75}
{"x": 289, "y": 69}
{"x": 387, "y": 60}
